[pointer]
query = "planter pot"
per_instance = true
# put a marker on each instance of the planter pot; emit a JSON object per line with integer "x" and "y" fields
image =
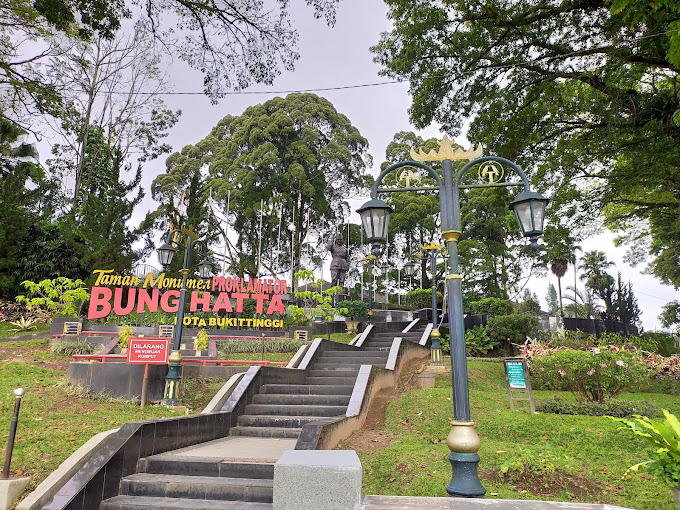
{"x": 426, "y": 380}
{"x": 676, "y": 493}
{"x": 352, "y": 326}
{"x": 123, "y": 350}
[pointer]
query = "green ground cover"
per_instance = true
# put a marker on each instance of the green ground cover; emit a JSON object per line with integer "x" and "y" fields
{"x": 55, "y": 418}
{"x": 6, "y": 329}
{"x": 547, "y": 456}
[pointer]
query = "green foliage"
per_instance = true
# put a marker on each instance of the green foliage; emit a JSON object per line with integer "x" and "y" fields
{"x": 224, "y": 349}
{"x": 276, "y": 161}
{"x": 660, "y": 342}
{"x": 124, "y": 334}
{"x": 60, "y": 297}
{"x": 71, "y": 348}
{"x": 595, "y": 375}
{"x": 478, "y": 341}
{"x": 553, "y": 301}
{"x": 597, "y": 127}
{"x": 513, "y": 328}
{"x": 665, "y": 437}
{"x": 23, "y": 324}
{"x": 491, "y": 306}
{"x": 670, "y": 314}
{"x": 613, "y": 407}
{"x": 421, "y": 298}
{"x": 318, "y": 301}
{"x": 202, "y": 339}
{"x": 352, "y": 309}
{"x": 527, "y": 462}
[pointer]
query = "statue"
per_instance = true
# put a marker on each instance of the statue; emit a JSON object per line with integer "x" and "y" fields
{"x": 340, "y": 261}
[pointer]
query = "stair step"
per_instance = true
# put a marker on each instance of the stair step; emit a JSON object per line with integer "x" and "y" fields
{"x": 295, "y": 410}
{"x": 332, "y": 381}
{"x": 367, "y": 359}
{"x": 197, "y": 466}
{"x": 377, "y": 348}
{"x": 197, "y": 487}
{"x": 272, "y": 398}
{"x": 151, "y": 503}
{"x": 307, "y": 389}
{"x": 263, "y": 420}
{"x": 334, "y": 372}
{"x": 284, "y": 433}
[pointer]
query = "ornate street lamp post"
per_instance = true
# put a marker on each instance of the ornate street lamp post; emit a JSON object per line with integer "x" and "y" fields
{"x": 371, "y": 280}
{"x": 529, "y": 209}
{"x": 435, "y": 335}
{"x": 187, "y": 239}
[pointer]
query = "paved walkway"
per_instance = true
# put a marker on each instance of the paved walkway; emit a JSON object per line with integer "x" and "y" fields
{"x": 241, "y": 449}
{"x": 412, "y": 503}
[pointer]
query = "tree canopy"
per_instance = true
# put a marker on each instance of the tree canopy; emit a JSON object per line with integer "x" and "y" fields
{"x": 289, "y": 163}
{"x": 583, "y": 94}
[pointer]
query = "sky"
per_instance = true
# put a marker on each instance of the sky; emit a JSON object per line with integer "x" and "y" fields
{"x": 337, "y": 57}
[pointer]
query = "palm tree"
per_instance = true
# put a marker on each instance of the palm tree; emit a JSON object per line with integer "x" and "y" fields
{"x": 558, "y": 253}
{"x": 593, "y": 265}
{"x": 583, "y": 302}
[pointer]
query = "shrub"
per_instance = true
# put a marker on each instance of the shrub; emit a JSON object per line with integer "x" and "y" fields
{"x": 615, "y": 407}
{"x": 202, "y": 339}
{"x": 664, "y": 343}
{"x": 71, "y": 348}
{"x": 124, "y": 334}
{"x": 491, "y": 306}
{"x": 352, "y": 309}
{"x": 515, "y": 328}
{"x": 478, "y": 341}
{"x": 60, "y": 297}
{"x": 421, "y": 298}
{"x": 665, "y": 437}
{"x": 254, "y": 346}
{"x": 595, "y": 376}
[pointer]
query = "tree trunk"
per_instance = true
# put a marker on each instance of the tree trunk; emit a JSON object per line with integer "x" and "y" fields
{"x": 559, "y": 287}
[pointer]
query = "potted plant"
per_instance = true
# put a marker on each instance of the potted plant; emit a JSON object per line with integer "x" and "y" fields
{"x": 665, "y": 436}
{"x": 124, "y": 334}
{"x": 202, "y": 340}
{"x": 353, "y": 310}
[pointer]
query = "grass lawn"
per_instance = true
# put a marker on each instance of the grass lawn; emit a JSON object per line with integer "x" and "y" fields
{"x": 54, "y": 419}
{"x": 551, "y": 457}
{"x": 6, "y": 329}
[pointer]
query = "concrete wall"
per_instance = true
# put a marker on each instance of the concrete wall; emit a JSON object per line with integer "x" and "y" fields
{"x": 118, "y": 379}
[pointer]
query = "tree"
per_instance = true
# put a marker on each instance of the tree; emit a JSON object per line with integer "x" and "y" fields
{"x": 621, "y": 302}
{"x": 593, "y": 265}
{"x": 559, "y": 250}
{"x": 415, "y": 220}
{"x": 553, "y": 302}
{"x": 17, "y": 169}
{"x": 670, "y": 314}
{"x": 583, "y": 303}
{"x": 583, "y": 95}
{"x": 289, "y": 164}
{"x": 232, "y": 44}
{"x": 114, "y": 85}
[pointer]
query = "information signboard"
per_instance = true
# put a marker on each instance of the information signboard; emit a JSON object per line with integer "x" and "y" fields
{"x": 517, "y": 377}
{"x": 515, "y": 371}
{"x": 148, "y": 351}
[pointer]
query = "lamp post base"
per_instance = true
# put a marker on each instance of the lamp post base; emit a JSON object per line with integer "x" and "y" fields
{"x": 464, "y": 477}
{"x": 463, "y": 443}
{"x": 173, "y": 379}
{"x": 436, "y": 356}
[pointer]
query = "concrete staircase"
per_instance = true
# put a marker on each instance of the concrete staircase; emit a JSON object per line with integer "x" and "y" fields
{"x": 278, "y": 411}
{"x": 169, "y": 481}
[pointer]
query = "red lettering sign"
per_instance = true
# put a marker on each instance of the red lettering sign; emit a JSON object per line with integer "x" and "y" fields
{"x": 152, "y": 351}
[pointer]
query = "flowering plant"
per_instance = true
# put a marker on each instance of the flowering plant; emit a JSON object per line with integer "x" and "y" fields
{"x": 594, "y": 375}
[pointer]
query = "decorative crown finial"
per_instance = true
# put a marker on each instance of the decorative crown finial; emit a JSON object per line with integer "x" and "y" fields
{"x": 445, "y": 152}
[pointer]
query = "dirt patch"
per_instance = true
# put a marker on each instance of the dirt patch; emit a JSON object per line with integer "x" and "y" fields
{"x": 368, "y": 438}
{"x": 546, "y": 484}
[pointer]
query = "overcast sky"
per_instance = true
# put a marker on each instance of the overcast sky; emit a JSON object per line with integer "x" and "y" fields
{"x": 336, "y": 57}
